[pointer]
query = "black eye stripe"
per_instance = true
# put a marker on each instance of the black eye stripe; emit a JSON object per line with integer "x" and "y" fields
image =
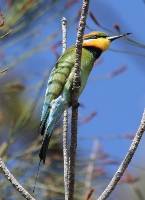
{"x": 104, "y": 36}
{"x": 96, "y": 36}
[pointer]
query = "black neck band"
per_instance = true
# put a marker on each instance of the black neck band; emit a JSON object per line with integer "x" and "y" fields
{"x": 95, "y": 51}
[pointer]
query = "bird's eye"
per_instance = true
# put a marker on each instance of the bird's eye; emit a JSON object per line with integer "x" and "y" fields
{"x": 94, "y": 36}
{"x": 98, "y": 36}
{"x": 104, "y": 36}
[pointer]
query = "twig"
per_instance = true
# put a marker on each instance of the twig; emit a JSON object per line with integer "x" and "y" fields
{"x": 89, "y": 195}
{"x": 14, "y": 182}
{"x": 117, "y": 176}
{"x": 75, "y": 94}
{"x": 3, "y": 71}
{"x": 65, "y": 153}
{"x": 64, "y": 34}
{"x": 91, "y": 165}
{"x": 65, "y": 118}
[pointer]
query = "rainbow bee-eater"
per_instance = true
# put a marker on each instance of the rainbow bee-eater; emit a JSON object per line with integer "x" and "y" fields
{"x": 59, "y": 87}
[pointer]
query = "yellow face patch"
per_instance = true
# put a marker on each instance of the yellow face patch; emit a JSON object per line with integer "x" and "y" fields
{"x": 101, "y": 43}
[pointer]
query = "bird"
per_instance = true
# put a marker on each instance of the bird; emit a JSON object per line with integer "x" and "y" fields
{"x": 59, "y": 86}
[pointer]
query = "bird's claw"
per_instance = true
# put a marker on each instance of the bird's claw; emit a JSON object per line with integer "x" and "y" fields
{"x": 76, "y": 105}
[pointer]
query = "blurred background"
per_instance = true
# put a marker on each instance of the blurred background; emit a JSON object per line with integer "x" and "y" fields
{"x": 111, "y": 105}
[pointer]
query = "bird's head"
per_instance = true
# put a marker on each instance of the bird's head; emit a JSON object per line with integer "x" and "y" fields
{"x": 100, "y": 40}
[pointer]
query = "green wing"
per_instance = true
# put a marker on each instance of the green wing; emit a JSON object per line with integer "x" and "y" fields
{"x": 58, "y": 78}
{"x": 60, "y": 74}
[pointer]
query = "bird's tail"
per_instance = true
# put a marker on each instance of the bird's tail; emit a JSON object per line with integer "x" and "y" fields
{"x": 57, "y": 108}
{"x": 44, "y": 147}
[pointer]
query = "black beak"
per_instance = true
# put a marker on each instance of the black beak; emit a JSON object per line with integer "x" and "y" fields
{"x": 112, "y": 38}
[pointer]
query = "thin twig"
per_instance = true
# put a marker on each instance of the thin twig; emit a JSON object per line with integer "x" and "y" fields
{"x": 89, "y": 195}
{"x": 65, "y": 152}
{"x": 133, "y": 147}
{"x": 65, "y": 118}
{"x": 91, "y": 165}
{"x": 75, "y": 94}
{"x": 64, "y": 34}
{"x": 14, "y": 182}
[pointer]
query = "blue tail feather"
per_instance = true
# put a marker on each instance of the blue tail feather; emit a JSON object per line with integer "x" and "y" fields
{"x": 57, "y": 107}
{"x": 43, "y": 123}
{"x": 44, "y": 148}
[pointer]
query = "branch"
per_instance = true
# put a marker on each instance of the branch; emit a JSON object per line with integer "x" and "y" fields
{"x": 89, "y": 195}
{"x": 75, "y": 94}
{"x": 14, "y": 182}
{"x": 91, "y": 166}
{"x": 65, "y": 152}
{"x": 117, "y": 176}
{"x": 65, "y": 118}
{"x": 64, "y": 34}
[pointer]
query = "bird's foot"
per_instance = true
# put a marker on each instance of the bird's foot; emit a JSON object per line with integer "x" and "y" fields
{"x": 76, "y": 105}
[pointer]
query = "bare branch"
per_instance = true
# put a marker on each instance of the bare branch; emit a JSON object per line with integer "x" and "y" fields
{"x": 89, "y": 195}
{"x": 75, "y": 94}
{"x": 4, "y": 70}
{"x": 65, "y": 152}
{"x": 117, "y": 176}
{"x": 91, "y": 165}
{"x": 64, "y": 34}
{"x": 65, "y": 118}
{"x": 14, "y": 182}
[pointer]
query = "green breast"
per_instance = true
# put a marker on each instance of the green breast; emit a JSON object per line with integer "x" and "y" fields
{"x": 87, "y": 63}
